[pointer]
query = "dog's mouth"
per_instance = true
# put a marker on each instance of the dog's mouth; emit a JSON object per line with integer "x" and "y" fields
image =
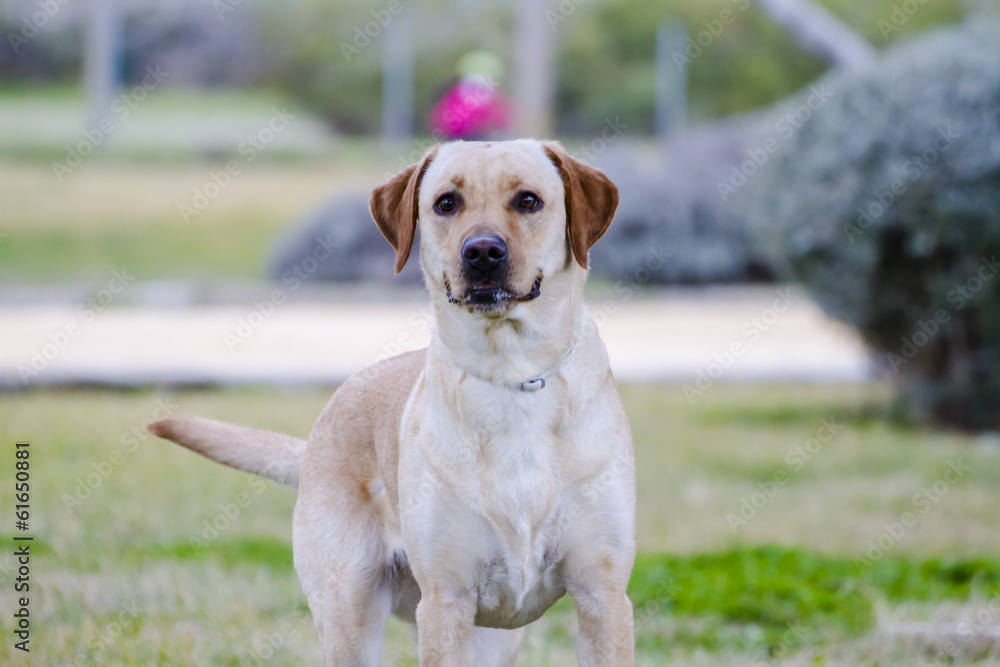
{"x": 487, "y": 296}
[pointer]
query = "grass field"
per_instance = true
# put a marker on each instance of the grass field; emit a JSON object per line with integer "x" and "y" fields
{"x": 118, "y": 215}
{"x": 121, "y": 207}
{"x": 142, "y": 555}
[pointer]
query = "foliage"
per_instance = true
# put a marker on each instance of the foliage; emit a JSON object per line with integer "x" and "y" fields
{"x": 330, "y": 55}
{"x": 887, "y": 206}
{"x": 606, "y": 60}
{"x": 320, "y": 52}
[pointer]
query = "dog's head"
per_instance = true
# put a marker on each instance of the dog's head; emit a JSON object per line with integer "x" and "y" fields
{"x": 497, "y": 219}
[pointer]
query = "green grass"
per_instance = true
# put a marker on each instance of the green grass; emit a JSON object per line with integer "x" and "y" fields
{"x": 772, "y": 588}
{"x": 120, "y": 215}
{"x": 767, "y": 588}
{"x": 787, "y": 584}
{"x": 236, "y": 248}
{"x": 40, "y": 123}
{"x": 121, "y": 206}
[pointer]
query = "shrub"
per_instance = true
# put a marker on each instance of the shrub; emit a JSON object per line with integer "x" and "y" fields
{"x": 328, "y": 56}
{"x": 886, "y": 204}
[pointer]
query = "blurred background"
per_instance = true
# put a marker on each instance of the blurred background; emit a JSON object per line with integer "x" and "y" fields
{"x": 798, "y": 295}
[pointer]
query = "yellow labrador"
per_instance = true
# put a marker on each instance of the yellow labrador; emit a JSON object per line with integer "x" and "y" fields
{"x": 470, "y": 485}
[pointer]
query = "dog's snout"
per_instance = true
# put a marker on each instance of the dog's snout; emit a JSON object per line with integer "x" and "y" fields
{"x": 483, "y": 251}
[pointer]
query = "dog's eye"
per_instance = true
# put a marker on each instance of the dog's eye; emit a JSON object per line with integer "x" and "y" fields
{"x": 528, "y": 201}
{"x": 445, "y": 204}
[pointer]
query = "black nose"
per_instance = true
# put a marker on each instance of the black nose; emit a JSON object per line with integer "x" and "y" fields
{"x": 484, "y": 251}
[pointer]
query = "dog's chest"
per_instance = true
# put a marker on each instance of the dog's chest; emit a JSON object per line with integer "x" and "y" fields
{"x": 512, "y": 489}
{"x": 489, "y": 497}
{"x": 516, "y": 515}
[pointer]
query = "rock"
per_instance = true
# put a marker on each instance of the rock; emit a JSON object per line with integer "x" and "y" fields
{"x": 669, "y": 204}
{"x": 340, "y": 241}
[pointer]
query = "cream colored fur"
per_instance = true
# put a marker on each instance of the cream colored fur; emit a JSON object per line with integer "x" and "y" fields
{"x": 430, "y": 486}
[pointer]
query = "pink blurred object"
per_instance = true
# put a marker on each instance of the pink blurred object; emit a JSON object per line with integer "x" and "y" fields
{"x": 470, "y": 109}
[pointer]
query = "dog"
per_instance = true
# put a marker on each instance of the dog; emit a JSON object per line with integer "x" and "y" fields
{"x": 469, "y": 485}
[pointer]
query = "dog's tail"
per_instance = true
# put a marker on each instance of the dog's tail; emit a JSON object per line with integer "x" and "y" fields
{"x": 273, "y": 456}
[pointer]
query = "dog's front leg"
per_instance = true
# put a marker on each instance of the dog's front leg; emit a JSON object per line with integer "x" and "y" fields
{"x": 605, "y": 636}
{"x": 444, "y": 628}
{"x": 597, "y": 565}
{"x": 443, "y": 550}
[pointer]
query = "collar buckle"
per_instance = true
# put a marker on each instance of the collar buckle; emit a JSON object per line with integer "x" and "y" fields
{"x": 534, "y": 384}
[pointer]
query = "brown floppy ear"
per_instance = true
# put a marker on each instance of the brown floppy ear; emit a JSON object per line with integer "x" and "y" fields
{"x": 394, "y": 206}
{"x": 591, "y": 200}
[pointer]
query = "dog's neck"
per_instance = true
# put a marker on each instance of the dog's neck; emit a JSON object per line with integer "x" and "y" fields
{"x": 531, "y": 340}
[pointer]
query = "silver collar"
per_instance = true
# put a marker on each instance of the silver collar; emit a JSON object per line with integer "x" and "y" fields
{"x": 538, "y": 382}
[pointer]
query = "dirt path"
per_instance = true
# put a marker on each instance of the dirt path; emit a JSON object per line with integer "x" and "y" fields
{"x": 741, "y": 334}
